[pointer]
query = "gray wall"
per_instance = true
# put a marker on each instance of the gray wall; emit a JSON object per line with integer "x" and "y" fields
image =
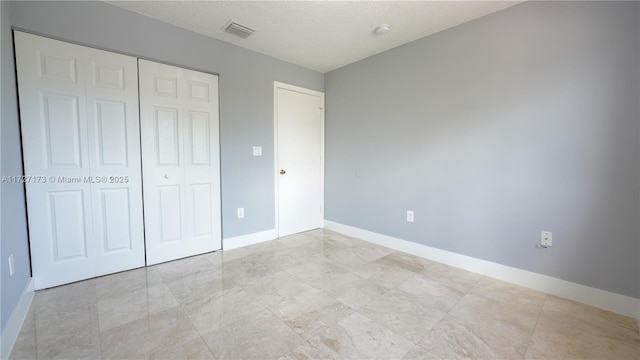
{"x": 520, "y": 121}
{"x": 246, "y": 109}
{"x": 246, "y": 90}
{"x": 13, "y": 223}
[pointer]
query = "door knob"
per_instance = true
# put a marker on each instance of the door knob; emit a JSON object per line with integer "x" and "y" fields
{"x": 166, "y": 176}
{"x": 282, "y": 172}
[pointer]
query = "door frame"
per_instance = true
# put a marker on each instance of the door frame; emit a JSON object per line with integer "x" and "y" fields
{"x": 279, "y": 85}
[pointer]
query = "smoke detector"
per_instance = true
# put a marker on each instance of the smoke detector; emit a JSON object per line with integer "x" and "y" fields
{"x": 236, "y": 29}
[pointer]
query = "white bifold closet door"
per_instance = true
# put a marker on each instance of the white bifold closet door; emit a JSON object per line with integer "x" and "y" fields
{"x": 181, "y": 161}
{"x": 81, "y": 149}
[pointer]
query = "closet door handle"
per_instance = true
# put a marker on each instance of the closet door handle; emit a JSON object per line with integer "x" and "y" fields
{"x": 166, "y": 176}
{"x": 282, "y": 172}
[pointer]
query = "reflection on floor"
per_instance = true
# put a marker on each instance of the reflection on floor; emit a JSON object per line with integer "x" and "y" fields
{"x": 316, "y": 295}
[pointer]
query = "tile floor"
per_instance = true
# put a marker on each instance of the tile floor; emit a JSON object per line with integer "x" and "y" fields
{"x": 316, "y": 295}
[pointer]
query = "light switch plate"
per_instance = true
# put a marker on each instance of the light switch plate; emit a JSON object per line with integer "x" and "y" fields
{"x": 257, "y": 151}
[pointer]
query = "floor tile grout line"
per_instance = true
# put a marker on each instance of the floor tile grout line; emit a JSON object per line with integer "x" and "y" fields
{"x": 533, "y": 330}
{"x": 95, "y": 288}
{"x": 285, "y": 323}
{"x": 219, "y": 328}
{"x": 462, "y": 297}
{"x": 184, "y": 311}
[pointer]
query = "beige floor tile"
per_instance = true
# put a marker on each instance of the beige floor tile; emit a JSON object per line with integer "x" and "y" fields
{"x": 345, "y": 258}
{"x": 510, "y": 294}
{"x": 307, "y": 351}
{"x": 330, "y": 275}
{"x": 66, "y": 322}
{"x": 334, "y": 239}
{"x": 140, "y": 338}
{"x": 350, "y": 289}
{"x": 288, "y": 257}
{"x": 134, "y": 305}
{"x": 383, "y": 273}
{"x": 324, "y": 247}
{"x": 251, "y": 267}
{"x": 74, "y": 297}
{"x": 567, "y": 329}
{"x": 266, "y": 247}
{"x": 358, "y": 254}
{"x": 182, "y": 268}
{"x": 450, "y": 339}
{"x": 222, "y": 308}
{"x": 460, "y": 279}
{"x": 26, "y": 345}
{"x": 190, "y": 350}
{"x": 309, "y": 239}
{"x": 503, "y": 325}
{"x": 407, "y": 316}
{"x": 201, "y": 285}
{"x": 115, "y": 285}
{"x": 214, "y": 257}
{"x": 358, "y": 337}
{"x": 310, "y": 311}
{"x": 233, "y": 254}
{"x": 69, "y": 334}
{"x": 261, "y": 336}
{"x": 408, "y": 262}
{"x": 81, "y": 346}
{"x": 371, "y": 252}
{"x": 273, "y": 289}
{"x": 431, "y": 292}
{"x": 314, "y": 270}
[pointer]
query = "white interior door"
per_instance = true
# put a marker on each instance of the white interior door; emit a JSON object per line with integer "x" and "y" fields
{"x": 181, "y": 161}
{"x": 299, "y": 119}
{"x": 80, "y": 136}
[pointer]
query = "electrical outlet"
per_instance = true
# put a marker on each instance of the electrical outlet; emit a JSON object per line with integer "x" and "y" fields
{"x": 546, "y": 239}
{"x": 12, "y": 265}
{"x": 240, "y": 213}
{"x": 410, "y": 215}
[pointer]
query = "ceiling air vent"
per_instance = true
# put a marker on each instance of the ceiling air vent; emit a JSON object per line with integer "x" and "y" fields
{"x": 238, "y": 30}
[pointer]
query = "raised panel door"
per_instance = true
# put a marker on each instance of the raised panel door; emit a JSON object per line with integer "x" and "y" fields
{"x": 79, "y": 123}
{"x": 180, "y": 148}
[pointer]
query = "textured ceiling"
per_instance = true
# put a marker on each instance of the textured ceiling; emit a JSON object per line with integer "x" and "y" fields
{"x": 320, "y": 35}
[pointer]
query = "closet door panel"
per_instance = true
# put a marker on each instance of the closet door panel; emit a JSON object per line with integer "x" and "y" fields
{"x": 56, "y": 155}
{"x": 70, "y": 134}
{"x": 202, "y": 155}
{"x": 179, "y": 124}
{"x": 163, "y": 164}
{"x": 116, "y": 187}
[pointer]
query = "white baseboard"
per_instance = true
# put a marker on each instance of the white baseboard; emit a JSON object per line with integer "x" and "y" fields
{"x": 250, "y": 239}
{"x": 12, "y": 330}
{"x": 617, "y": 303}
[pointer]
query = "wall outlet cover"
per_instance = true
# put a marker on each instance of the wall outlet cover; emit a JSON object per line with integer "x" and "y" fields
{"x": 409, "y": 216}
{"x": 546, "y": 239}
